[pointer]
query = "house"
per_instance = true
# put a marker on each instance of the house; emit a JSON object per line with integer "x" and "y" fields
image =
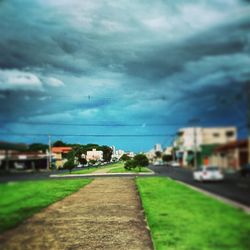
{"x": 59, "y": 155}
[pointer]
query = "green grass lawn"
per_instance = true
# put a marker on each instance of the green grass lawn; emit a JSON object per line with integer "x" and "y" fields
{"x": 81, "y": 171}
{"x": 183, "y": 219}
{"x": 93, "y": 169}
{"x": 19, "y": 200}
{"x": 123, "y": 170}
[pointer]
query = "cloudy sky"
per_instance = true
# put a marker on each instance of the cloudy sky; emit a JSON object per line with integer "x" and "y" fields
{"x": 73, "y": 68}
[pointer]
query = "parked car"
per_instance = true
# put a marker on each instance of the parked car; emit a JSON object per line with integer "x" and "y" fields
{"x": 245, "y": 170}
{"x": 174, "y": 164}
{"x": 208, "y": 173}
{"x": 157, "y": 163}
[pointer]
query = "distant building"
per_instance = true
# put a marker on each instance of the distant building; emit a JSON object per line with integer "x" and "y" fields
{"x": 113, "y": 150}
{"x": 168, "y": 151}
{"x": 192, "y": 139}
{"x": 130, "y": 154}
{"x": 59, "y": 155}
{"x": 158, "y": 148}
{"x": 96, "y": 155}
{"x": 150, "y": 154}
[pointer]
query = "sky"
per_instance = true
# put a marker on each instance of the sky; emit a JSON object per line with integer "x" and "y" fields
{"x": 123, "y": 73}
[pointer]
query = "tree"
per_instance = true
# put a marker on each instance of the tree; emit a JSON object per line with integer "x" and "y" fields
{"x": 125, "y": 157}
{"x": 92, "y": 162}
{"x": 59, "y": 144}
{"x": 130, "y": 164}
{"x": 77, "y": 152}
{"x": 158, "y": 154}
{"x": 69, "y": 164}
{"x": 107, "y": 153}
{"x": 167, "y": 158}
{"x": 38, "y": 147}
{"x": 141, "y": 161}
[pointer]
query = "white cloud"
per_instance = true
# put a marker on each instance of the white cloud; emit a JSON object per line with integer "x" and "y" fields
{"x": 19, "y": 80}
{"x": 54, "y": 82}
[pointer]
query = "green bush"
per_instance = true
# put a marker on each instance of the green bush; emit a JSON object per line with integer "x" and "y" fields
{"x": 125, "y": 157}
{"x": 130, "y": 164}
{"x": 69, "y": 164}
{"x": 139, "y": 161}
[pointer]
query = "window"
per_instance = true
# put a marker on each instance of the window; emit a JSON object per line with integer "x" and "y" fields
{"x": 230, "y": 133}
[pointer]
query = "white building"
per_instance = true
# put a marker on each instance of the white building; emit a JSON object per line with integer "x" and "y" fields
{"x": 158, "y": 148}
{"x": 130, "y": 154}
{"x": 118, "y": 154}
{"x": 94, "y": 154}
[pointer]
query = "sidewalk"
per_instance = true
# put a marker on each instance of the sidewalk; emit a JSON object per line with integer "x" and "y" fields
{"x": 106, "y": 214}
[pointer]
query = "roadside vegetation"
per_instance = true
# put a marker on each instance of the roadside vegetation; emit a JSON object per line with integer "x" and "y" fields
{"x": 181, "y": 218}
{"x": 134, "y": 170}
{"x": 20, "y": 200}
{"x": 93, "y": 169}
{"x": 139, "y": 161}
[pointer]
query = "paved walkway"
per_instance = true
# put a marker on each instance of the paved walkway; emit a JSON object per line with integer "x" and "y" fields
{"x": 105, "y": 214}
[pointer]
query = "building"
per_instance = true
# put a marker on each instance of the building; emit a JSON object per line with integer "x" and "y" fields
{"x": 113, "y": 150}
{"x": 158, "y": 148}
{"x": 95, "y": 155}
{"x": 11, "y": 160}
{"x": 168, "y": 151}
{"x": 192, "y": 139}
{"x": 59, "y": 155}
{"x": 231, "y": 155}
{"x": 150, "y": 155}
{"x": 130, "y": 154}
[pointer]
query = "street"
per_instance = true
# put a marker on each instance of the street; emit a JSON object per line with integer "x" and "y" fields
{"x": 233, "y": 187}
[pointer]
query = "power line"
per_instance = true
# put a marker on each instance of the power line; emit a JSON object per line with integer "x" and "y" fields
{"x": 96, "y": 124}
{"x": 86, "y": 135}
{"x": 104, "y": 124}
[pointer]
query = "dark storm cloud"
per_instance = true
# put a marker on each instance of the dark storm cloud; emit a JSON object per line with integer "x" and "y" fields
{"x": 165, "y": 60}
{"x": 121, "y": 61}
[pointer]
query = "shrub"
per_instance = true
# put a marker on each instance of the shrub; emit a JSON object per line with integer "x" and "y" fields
{"x": 69, "y": 164}
{"x": 130, "y": 164}
{"x": 139, "y": 161}
{"x": 125, "y": 157}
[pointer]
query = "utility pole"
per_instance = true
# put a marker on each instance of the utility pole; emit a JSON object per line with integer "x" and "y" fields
{"x": 248, "y": 118}
{"x": 195, "y": 148}
{"x": 7, "y": 162}
{"x": 49, "y": 154}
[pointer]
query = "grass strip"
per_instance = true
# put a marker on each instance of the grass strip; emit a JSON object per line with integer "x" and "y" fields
{"x": 93, "y": 169}
{"x": 135, "y": 170}
{"x": 183, "y": 219}
{"x": 20, "y": 200}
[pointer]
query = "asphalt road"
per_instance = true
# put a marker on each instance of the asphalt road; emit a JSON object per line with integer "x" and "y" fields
{"x": 233, "y": 187}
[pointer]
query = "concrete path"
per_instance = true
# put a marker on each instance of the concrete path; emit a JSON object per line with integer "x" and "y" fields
{"x": 105, "y": 214}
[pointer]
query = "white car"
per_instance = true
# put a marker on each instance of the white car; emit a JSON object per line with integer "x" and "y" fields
{"x": 208, "y": 173}
{"x": 175, "y": 164}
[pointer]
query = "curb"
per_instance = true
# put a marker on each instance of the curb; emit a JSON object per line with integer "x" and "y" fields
{"x": 100, "y": 175}
{"x": 234, "y": 204}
